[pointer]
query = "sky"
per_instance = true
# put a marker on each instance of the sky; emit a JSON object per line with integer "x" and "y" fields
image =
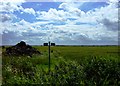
{"x": 63, "y": 22}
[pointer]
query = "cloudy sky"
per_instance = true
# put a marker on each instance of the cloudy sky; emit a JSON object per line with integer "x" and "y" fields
{"x": 73, "y": 23}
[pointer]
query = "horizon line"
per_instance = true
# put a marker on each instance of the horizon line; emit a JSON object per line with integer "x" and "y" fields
{"x": 68, "y": 45}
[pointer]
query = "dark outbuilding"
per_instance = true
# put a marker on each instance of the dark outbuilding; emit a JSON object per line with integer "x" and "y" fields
{"x": 52, "y": 44}
{"x": 45, "y": 44}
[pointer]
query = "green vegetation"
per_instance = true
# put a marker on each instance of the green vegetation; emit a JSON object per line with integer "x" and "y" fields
{"x": 87, "y": 66}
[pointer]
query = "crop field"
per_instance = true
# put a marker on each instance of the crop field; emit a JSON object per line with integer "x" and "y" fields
{"x": 72, "y": 65}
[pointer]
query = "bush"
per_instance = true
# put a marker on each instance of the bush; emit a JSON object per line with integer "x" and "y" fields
{"x": 91, "y": 71}
{"x": 64, "y": 72}
{"x": 101, "y": 71}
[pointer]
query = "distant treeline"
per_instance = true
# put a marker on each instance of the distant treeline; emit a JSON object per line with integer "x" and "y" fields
{"x": 69, "y": 45}
{"x": 88, "y": 45}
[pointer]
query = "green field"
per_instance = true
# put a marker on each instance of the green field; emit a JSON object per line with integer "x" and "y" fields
{"x": 84, "y": 65}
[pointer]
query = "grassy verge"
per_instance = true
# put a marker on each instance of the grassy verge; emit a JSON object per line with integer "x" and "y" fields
{"x": 69, "y": 65}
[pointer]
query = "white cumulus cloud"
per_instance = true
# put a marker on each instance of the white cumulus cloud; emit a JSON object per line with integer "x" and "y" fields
{"x": 97, "y": 26}
{"x": 29, "y": 11}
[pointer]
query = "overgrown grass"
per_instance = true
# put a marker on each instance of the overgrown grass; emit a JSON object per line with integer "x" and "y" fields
{"x": 87, "y": 66}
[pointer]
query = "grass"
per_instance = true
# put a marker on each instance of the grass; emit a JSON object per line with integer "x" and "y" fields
{"x": 77, "y": 52}
{"x": 69, "y": 65}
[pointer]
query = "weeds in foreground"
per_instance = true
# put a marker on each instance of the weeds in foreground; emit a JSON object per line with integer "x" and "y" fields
{"x": 91, "y": 71}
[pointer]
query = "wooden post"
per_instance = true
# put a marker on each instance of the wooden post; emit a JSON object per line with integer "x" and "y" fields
{"x": 49, "y": 56}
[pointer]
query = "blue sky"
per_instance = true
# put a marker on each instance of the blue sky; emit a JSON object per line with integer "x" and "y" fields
{"x": 65, "y": 23}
